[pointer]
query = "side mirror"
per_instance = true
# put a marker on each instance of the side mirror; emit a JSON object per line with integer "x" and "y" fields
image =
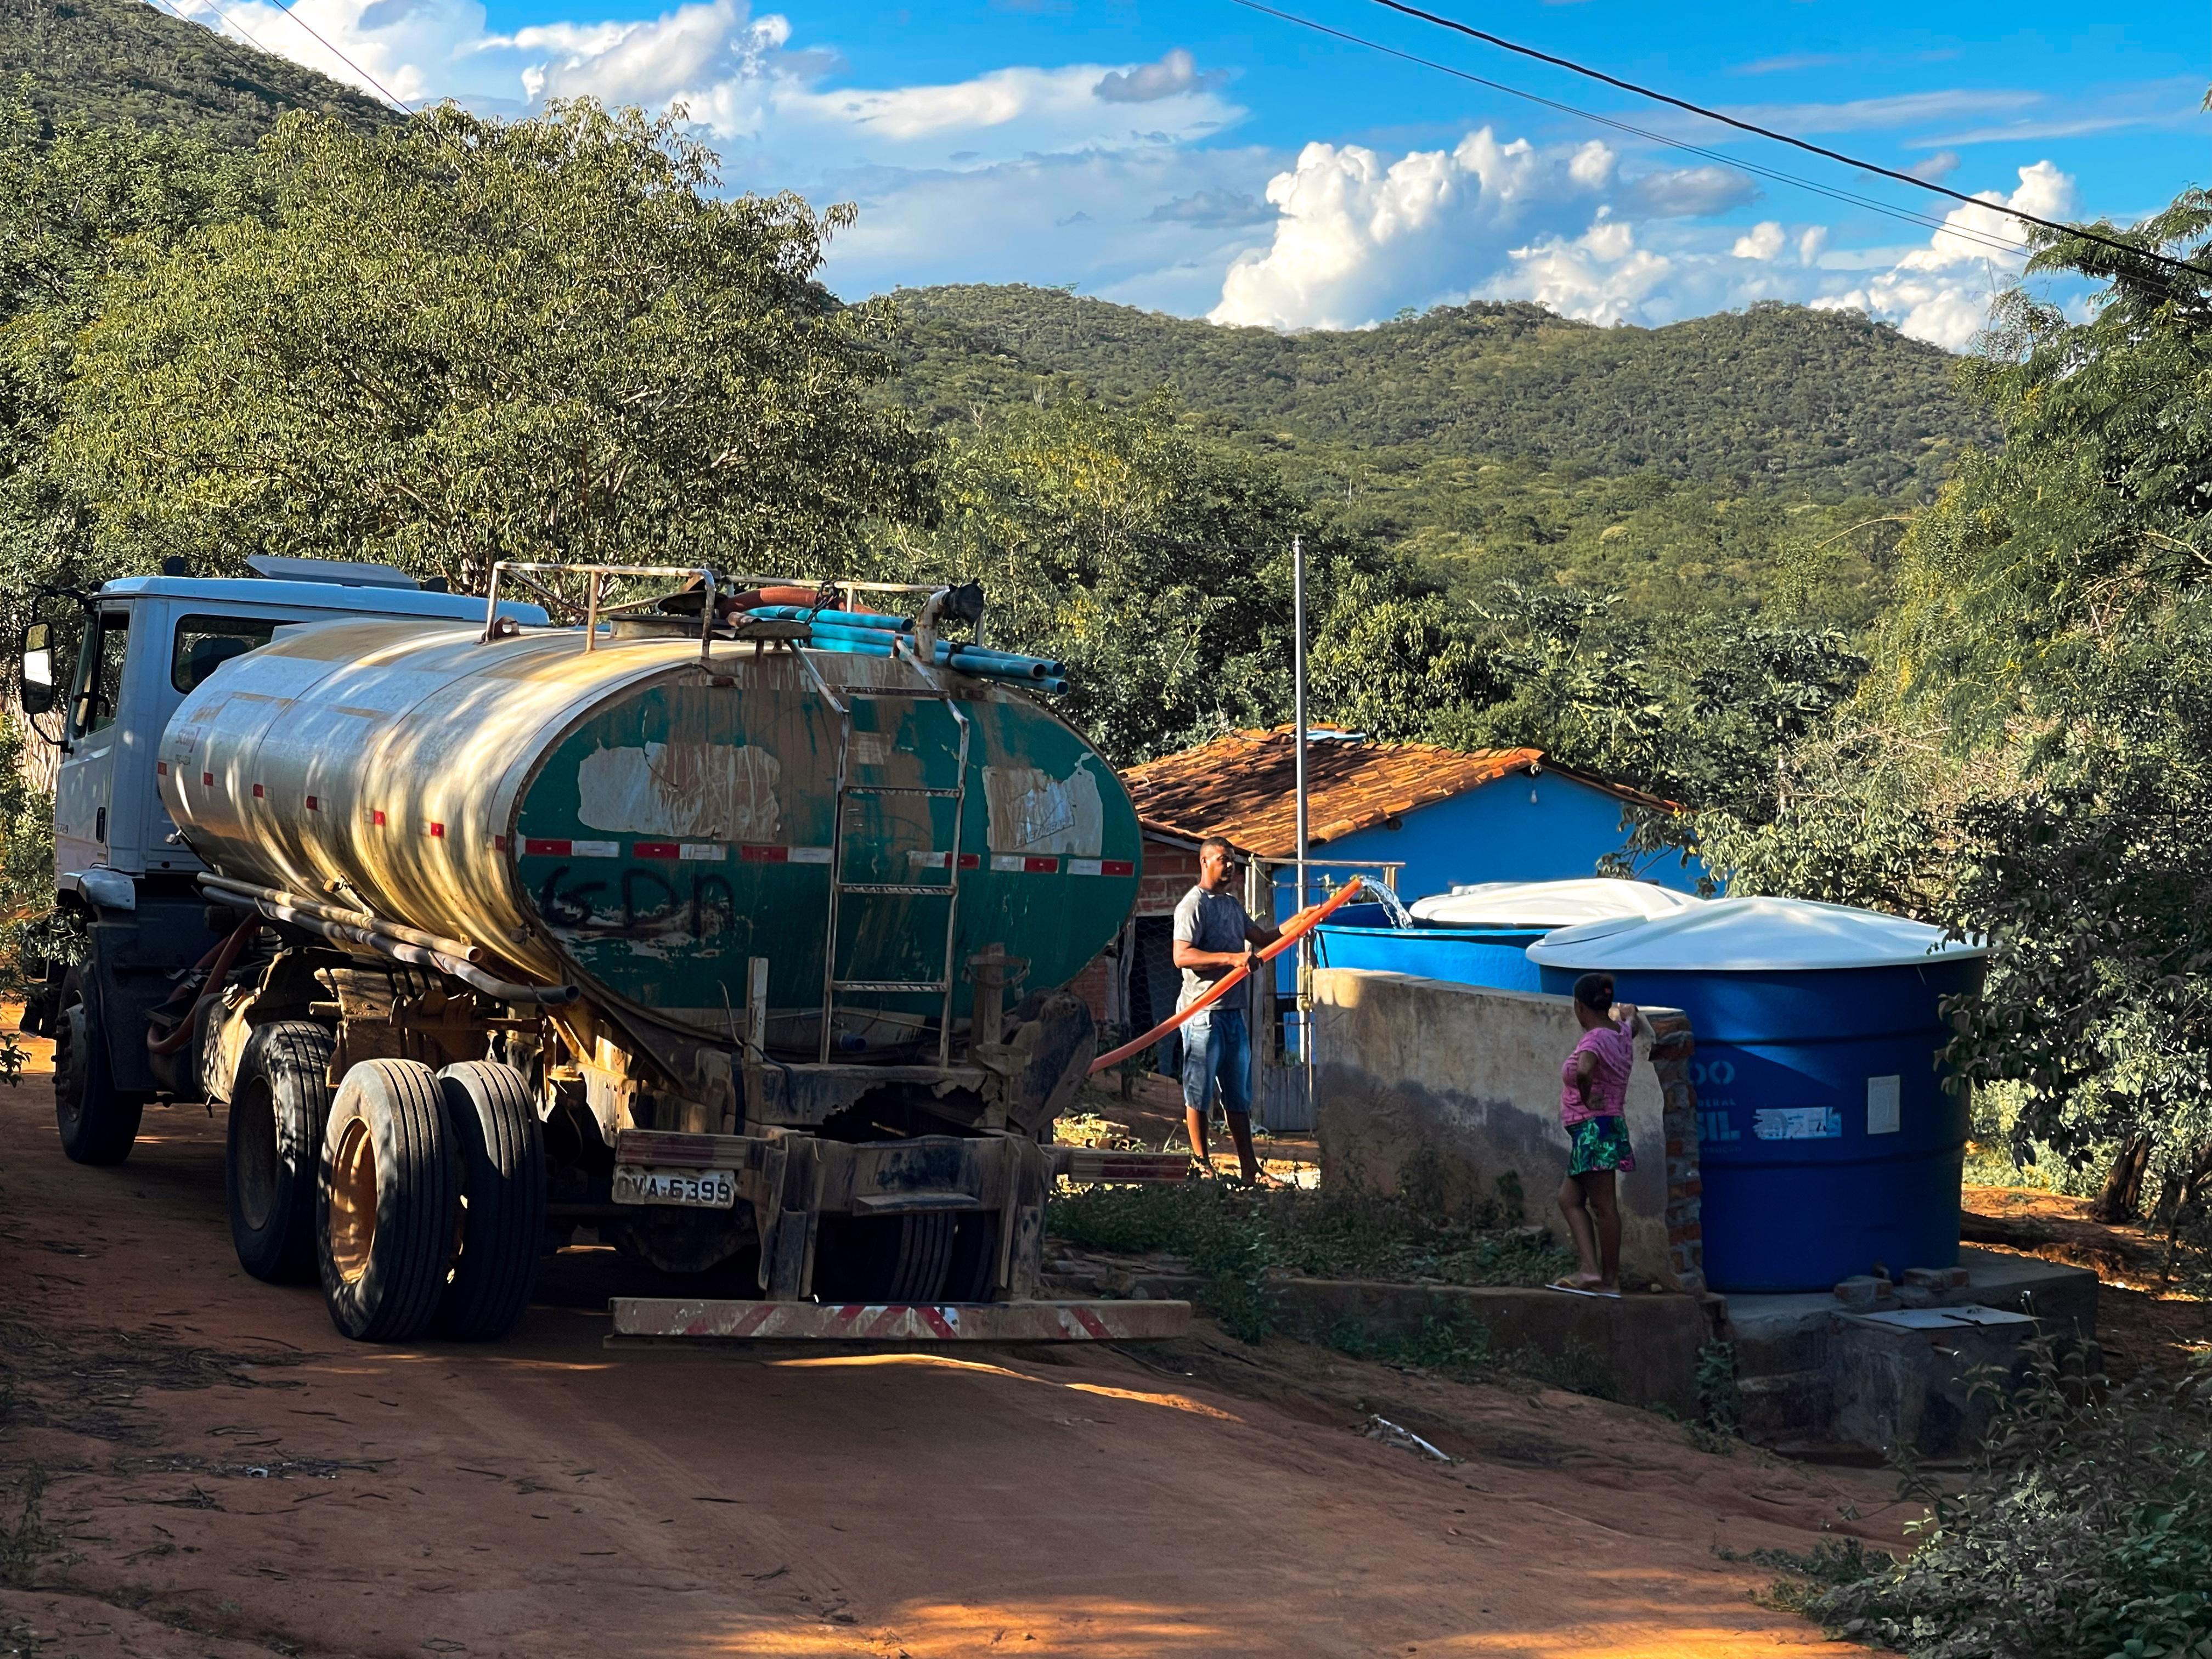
{"x": 37, "y": 690}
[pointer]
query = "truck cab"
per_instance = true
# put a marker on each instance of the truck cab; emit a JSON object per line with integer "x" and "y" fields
{"x": 144, "y": 642}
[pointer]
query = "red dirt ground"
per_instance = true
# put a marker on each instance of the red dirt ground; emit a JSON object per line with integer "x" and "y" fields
{"x": 226, "y": 1476}
{"x": 2142, "y": 1324}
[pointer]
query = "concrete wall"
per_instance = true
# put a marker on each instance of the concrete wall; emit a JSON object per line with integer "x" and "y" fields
{"x": 1453, "y": 1088}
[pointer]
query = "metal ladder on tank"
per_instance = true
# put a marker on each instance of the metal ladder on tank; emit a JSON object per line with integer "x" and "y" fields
{"x": 948, "y": 890}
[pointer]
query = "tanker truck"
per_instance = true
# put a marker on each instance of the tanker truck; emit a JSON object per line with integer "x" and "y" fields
{"x": 739, "y": 933}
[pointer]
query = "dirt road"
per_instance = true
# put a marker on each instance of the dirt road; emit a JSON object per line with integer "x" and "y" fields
{"x": 224, "y": 1475}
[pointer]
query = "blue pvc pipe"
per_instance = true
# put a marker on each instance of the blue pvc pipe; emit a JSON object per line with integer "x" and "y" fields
{"x": 856, "y": 642}
{"x": 846, "y": 618}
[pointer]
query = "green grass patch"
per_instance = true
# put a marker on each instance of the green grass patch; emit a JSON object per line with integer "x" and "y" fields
{"x": 1234, "y": 1236}
{"x": 1341, "y": 1234}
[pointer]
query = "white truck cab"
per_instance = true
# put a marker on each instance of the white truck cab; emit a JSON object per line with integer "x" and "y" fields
{"x": 145, "y": 642}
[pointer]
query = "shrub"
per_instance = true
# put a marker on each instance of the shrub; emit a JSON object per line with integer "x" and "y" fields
{"x": 2084, "y": 1532}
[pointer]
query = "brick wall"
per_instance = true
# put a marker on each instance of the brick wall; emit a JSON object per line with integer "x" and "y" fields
{"x": 1169, "y": 871}
{"x": 1091, "y": 984}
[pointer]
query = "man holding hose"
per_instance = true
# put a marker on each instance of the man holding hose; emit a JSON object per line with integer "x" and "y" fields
{"x": 1213, "y": 937}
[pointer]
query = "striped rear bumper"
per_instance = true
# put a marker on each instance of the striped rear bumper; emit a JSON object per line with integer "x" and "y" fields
{"x": 904, "y": 1323}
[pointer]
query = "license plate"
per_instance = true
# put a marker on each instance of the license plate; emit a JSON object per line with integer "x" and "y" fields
{"x": 698, "y": 1189}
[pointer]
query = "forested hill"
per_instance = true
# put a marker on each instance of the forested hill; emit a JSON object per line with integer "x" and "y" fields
{"x": 1778, "y": 395}
{"x": 109, "y": 62}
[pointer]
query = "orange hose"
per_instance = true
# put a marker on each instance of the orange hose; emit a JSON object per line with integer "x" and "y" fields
{"x": 1293, "y": 930}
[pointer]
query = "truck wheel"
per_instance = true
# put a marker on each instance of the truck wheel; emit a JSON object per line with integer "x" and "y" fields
{"x": 98, "y": 1125}
{"x": 895, "y": 1258}
{"x": 390, "y": 1206}
{"x": 494, "y": 1123}
{"x": 277, "y": 1108}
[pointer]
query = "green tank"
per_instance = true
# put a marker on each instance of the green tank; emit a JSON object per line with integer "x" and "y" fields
{"x": 643, "y": 821}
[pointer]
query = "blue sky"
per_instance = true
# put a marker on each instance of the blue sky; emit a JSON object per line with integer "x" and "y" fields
{"x": 1201, "y": 159}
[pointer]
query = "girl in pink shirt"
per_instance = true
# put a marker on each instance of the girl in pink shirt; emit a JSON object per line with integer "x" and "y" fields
{"x": 1594, "y": 1109}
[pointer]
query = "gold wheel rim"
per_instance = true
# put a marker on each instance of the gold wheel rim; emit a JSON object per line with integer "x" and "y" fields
{"x": 353, "y": 1201}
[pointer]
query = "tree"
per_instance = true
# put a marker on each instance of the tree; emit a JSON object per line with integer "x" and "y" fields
{"x": 463, "y": 340}
{"x": 2056, "y": 621}
{"x": 1156, "y": 566}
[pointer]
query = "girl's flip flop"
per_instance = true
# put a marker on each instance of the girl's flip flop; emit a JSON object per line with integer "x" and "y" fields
{"x": 1562, "y": 1285}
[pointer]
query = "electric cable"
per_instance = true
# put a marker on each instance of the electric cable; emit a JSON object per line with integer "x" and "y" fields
{"x": 182, "y": 17}
{"x": 285, "y": 6}
{"x": 240, "y": 29}
{"x": 1573, "y": 67}
{"x": 1992, "y": 241}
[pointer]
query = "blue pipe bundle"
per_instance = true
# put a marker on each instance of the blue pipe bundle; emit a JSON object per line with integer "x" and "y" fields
{"x": 859, "y": 634}
{"x": 843, "y": 618}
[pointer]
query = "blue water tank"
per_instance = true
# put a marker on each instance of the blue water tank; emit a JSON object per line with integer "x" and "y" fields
{"x": 1480, "y": 934}
{"x": 1825, "y": 1139}
{"x": 1363, "y": 936}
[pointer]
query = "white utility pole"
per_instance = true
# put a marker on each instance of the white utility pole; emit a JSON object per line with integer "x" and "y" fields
{"x": 1299, "y": 698}
{"x": 1298, "y": 693}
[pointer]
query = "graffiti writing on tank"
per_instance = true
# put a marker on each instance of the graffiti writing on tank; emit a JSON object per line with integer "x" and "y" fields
{"x": 649, "y": 905}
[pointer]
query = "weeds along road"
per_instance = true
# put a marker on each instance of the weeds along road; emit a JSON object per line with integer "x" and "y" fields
{"x": 222, "y": 1474}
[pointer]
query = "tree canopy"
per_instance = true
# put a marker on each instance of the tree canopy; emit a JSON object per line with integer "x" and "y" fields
{"x": 123, "y": 63}
{"x": 464, "y": 339}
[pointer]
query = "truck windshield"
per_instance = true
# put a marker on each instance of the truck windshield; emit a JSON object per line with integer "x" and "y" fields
{"x": 204, "y": 644}
{"x": 100, "y": 675}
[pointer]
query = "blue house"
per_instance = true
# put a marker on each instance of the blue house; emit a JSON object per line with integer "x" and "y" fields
{"x": 1444, "y": 816}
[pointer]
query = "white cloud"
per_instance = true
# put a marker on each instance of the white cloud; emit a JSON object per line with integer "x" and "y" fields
{"x": 1008, "y": 230}
{"x": 1941, "y": 293}
{"x": 1600, "y": 276}
{"x": 1175, "y": 74}
{"x": 1763, "y": 242}
{"x": 1357, "y": 236}
{"x": 1811, "y": 244}
{"x": 740, "y": 80}
{"x": 1880, "y": 114}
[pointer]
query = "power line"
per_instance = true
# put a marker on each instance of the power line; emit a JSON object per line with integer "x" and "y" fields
{"x": 1569, "y": 64}
{"x": 1985, "y": 239}
{"x": 184, "y": 17}
{"x": 285, "y": 6}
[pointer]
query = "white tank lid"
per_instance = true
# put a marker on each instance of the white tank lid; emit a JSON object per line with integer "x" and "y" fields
{"x": 1745, "y": 934}
{"x": 1547, "y": 904}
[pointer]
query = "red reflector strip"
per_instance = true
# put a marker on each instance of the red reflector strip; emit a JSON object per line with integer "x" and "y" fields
{"x": 499, "y": 844}
{"x": 655, "y": 849}
{"x": 376, "y": 817}
{"x": 936, "y": 860}
{"x": 207, "y": 780}
{"x": 314, "y": 803}
{"x": 257, "y": 791}
{"x": 437, "y": 830}
{"x": 161, "y": 769}
{"x": 1101, "y": 868}
{"x": 759, "y": 852}
{"x": 1022, "y": 864}
{"x": 553, "y": 848}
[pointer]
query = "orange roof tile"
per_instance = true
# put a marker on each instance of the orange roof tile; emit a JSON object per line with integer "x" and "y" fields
{"x": 1242, "y": 787}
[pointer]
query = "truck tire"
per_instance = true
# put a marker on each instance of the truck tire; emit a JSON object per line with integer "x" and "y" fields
{"x": 894, "y": 1258}
{"x": 98, "y": 1124}
{"x": 390, "y": 1203}
{"x": 494, "y": 1123}
{"x": 274, "y": 1149}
